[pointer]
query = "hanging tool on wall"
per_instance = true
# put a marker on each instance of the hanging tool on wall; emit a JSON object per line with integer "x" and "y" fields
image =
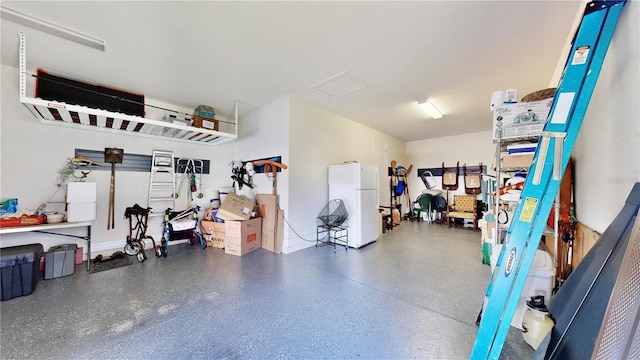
{"x": 238, "y": 173}
{"x": 271, "y": 170}
{"x": 113, "y": 156}
{"x": 192, "y": 182}
{"x": 406, "y": 191}
{"x": 191, "y": 169}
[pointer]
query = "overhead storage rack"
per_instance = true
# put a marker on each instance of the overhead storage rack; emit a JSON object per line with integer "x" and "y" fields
{"x": 82, "y": 117}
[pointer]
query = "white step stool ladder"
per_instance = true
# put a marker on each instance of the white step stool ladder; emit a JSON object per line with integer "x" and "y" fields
{"x": 162, "y": 182}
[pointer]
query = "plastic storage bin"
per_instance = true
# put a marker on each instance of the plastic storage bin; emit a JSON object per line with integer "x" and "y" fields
{"x": 60, "y": 261}
{"x": 19, "y": 270}
{"x": 540, "y": 281}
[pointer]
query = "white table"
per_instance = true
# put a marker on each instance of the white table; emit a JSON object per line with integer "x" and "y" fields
{"x": 47, "y": 229}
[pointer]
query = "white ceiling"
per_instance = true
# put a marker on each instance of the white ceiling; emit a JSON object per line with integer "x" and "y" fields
{"x": 455, "y": 53}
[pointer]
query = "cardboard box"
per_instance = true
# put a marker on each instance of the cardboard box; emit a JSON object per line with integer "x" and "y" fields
{"x": 205, "y": 111}
{"x": 272, "y": 222}
{"x": 213, "y": 233}
{"x": 243, "y": 237}
{"x": 81, "y": 212}
{"x": 517, "y": 160}
{"x": 268, "y": 210}
{"x": 279, "y": 231}
{"x": 491, "y": 227}
{"x": 235, "y": 207}
{"x": 525, "y": 119}
{"x": 81, "y": 192}
{"x": 205, "y": 123}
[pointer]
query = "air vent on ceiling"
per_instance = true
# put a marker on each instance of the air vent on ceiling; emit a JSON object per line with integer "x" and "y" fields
{"x": 340, "y": 85}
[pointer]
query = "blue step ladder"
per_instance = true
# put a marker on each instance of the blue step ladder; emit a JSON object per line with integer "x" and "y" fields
{"x": 558, "y": 137}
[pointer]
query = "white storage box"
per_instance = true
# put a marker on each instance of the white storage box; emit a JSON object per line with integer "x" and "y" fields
{"x": 525, "y": 119}
{"x": 521, "y": 160}
{"x": 540, "y": 281}
{"x": 77, "y": 212}
{"x": 81, "y": 192}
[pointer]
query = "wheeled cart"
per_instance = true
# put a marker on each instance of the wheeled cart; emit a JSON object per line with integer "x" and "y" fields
{"x": 138, "y": 232}
{"x": 179, "y": 225}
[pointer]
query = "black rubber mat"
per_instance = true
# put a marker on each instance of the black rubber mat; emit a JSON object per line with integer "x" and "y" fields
{"x": 110, "y": 264}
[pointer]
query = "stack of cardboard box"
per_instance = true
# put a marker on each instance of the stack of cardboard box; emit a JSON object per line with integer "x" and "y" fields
{"x": 272, "y": 222}
{"x": 247, "y": 226}
{"x": 212, "y": 231}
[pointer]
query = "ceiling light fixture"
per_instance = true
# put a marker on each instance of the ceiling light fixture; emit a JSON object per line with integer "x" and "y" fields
{"x": 430, "y": 109}
{"x": 31, "y": 21}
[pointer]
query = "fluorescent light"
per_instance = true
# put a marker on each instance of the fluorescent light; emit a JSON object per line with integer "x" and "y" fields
{"x": 430, "y": 109}
{"x": 31, "y": 21}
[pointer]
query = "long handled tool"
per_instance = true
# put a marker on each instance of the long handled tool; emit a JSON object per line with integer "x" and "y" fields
{"x": 113, "y": 156}
{"x": 406, "y": 190}
{"x": 271, "y": 171}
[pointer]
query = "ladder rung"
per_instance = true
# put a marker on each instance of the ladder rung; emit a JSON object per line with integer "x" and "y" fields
{"x": 162, "y": 199}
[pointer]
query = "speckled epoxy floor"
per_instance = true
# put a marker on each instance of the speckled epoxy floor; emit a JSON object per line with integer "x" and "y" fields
{"x": 413, "y": 294}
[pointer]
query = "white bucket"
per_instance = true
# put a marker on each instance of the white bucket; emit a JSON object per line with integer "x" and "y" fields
{"x": 497, "y": 98}
{"x": 215, "y": 199}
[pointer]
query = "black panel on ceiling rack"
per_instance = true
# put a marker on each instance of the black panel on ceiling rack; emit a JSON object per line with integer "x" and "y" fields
{"x": 57, "y": 88}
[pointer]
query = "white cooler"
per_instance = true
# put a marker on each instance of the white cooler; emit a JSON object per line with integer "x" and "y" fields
{"x": 81, "y": 201}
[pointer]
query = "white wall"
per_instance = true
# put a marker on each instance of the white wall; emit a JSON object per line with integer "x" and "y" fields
{"x": 607, "y": 152}
{"x": 471, "y": 149}
{"x": 265, "y": 133}
{"x": 32, "y": 153}
{"x": 308, "y": 138}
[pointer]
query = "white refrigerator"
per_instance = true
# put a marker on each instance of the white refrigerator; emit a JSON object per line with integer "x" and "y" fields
{"x": 358, "y": 186}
